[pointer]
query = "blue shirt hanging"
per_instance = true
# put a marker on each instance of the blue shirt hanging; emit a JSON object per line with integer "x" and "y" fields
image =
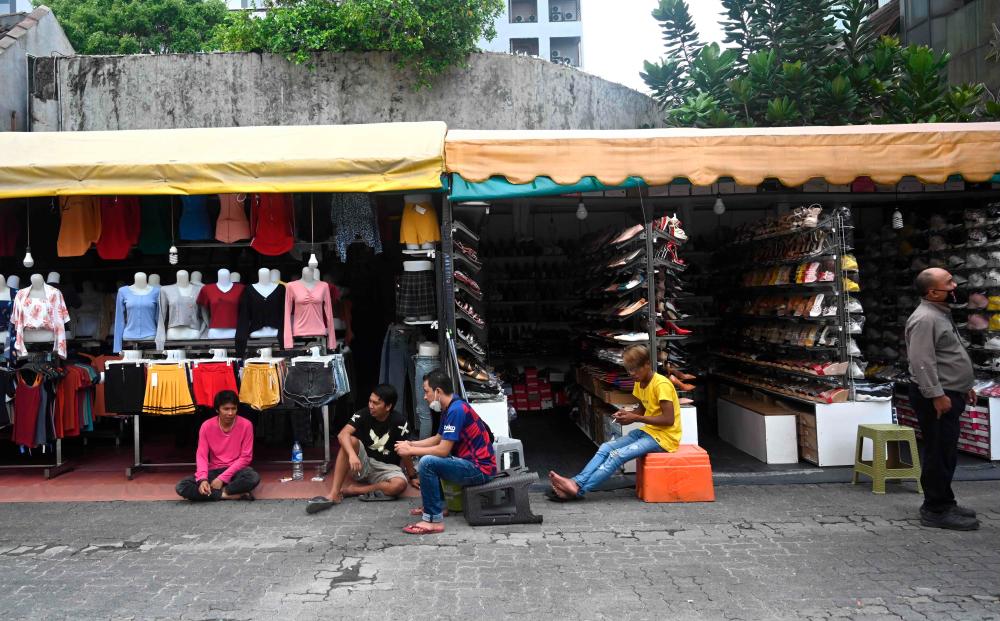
{"x": 195, "y": 222}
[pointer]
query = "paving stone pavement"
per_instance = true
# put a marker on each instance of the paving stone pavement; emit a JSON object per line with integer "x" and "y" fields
{"x": 759, "y": 552}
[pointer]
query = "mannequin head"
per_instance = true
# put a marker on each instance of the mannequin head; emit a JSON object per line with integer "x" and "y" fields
{"x": 52, "y": 278}
{"x": 140, "y": 281}
{"x": 154, "y": 280}
{"x": 225, "y": 276}
{"x": 183, "y": 279}
{"x": 3, "y": 282}
{"x": 275, "y": 276}
{"x": 196, "y": 277}
{"x": 14, "y": 282}
{"x": 307, "y": 274}
{"x": 235, "y": 277}
{"x": 264, "y": 276}
{"x": 37, "y": 282}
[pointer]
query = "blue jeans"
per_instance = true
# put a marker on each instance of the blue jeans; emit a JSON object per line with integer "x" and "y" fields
{"x": 435, "y": 469}
{"x": 422, "y": 365}
{"x": 611, "y": 456}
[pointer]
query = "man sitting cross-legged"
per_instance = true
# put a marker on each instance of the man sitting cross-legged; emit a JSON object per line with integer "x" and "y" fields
{"x": 367, "y": 466}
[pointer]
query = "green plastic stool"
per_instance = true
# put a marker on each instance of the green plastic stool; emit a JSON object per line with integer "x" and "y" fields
{"x": 452, "y": 496}
{"x": 886, "y": 463}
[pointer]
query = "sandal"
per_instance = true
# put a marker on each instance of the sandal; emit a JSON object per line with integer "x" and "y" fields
{"x": 375, "y": 496}
{"x": 419, "y": 511}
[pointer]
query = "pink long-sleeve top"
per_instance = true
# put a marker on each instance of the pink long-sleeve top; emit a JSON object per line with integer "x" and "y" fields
{"x": 309, "y": 312}
{"x": 218, "y": 449}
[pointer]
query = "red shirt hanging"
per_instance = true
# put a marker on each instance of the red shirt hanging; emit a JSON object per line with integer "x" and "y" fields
{"x": 272, "y": 222}
{"x": 223, "y": 307}
{"x": 119, "y": 226}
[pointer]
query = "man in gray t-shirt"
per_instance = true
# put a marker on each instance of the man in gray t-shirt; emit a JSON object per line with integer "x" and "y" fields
{"x": 941, "y": 388}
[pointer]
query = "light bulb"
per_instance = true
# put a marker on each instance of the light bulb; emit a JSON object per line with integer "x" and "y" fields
{"x": 897, "y": 220}
{"x": 29, "y": 261}
{"x": 313, "y": 261}
{"x": 172, "y": 255}
{"x": 581, "y": 211}
{"x": 719, "y": 207}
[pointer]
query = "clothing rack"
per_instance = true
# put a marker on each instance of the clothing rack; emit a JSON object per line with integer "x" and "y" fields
{"x": 59, "y": 466}
{"x": 204, "y": 346}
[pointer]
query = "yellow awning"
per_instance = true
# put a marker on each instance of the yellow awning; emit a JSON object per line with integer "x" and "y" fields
{"x": 323, "y": 158}
{"x": 930, "y": 152}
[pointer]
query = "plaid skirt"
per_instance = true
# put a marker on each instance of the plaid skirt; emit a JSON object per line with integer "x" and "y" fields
{"x": 415, "y": 297}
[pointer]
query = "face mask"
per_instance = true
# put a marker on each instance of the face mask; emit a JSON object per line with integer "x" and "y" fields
{"x": 953, "y": 297}
{"x": 435, "y": 405}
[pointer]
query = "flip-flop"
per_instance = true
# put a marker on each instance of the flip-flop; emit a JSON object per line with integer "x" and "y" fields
{"x": 553, "y": 497}
{"x": 375, "y": 496}
{"x": 318, "y": 503}
{"x": 413, "y": 529}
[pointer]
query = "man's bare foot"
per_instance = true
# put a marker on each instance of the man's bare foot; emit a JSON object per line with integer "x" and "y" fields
{"x": 350, "y": 489}
{"x": 424, "y": 528}
{"x": 567, "y": 487}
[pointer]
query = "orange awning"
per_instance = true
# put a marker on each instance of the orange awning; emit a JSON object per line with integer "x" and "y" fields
{"x": 794, "y": 155}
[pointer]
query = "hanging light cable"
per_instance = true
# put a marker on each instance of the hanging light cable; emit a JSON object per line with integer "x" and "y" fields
{"x": 29, "y": 261}
{"x": 172, "y": 256}
{"x": 313, "y": 261}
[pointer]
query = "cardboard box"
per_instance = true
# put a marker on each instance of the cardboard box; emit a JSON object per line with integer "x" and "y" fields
{"x": 617, "y": 397}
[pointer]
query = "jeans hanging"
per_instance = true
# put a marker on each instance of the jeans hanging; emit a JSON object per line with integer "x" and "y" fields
{"x": 395, "y": 348}
{"x": 422, "y": 365}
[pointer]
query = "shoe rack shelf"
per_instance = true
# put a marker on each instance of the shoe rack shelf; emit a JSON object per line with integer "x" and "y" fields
{"x": 975, "y": 424}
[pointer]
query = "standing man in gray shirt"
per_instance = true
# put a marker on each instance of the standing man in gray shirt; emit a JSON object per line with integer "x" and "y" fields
{"x": 941, "y": 388}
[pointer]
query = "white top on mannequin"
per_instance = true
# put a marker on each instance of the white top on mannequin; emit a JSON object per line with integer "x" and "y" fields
{"x": 264, "y": 286}
{"x": 225, "y": 282}
{"x": 154, "y": 280}
{"x": 4, "y": 289}
{"x": 183, "y": 281}
{"x": 140, "y": 286}
{"x": 276, "y": 276}
{"x": 235, "y": 277}
{"x": 53, "y": 278}
{"x": 308, "y": 277}
{"x": 14, "y": 282}
{"x": 196, "y": 277}
{"x": 37, "y": 287}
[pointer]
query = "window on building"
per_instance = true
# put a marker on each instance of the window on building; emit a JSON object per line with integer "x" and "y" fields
{"x": 6, "y": 6}
{"x": 565, "y": 51}
{"x": 564, "y": 10}
{"x": 524, "y": 47}
{"x": 523, "y": 11}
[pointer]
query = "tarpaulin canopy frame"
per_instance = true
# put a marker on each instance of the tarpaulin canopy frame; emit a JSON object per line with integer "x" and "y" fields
{"x": 508, "y": 164}
{"x": 381, "y": 157}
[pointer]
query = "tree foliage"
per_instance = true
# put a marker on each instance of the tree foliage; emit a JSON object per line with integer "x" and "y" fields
{"x": 428, "y": 36}
{"x": 801, "y": 62}
{"x": 138, "y": 26}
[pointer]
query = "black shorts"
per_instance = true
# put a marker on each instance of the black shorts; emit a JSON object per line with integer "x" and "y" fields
{"x": 124, "y": 388}
{"x": 415, "y": 297}
{"x": 310, "y": 384}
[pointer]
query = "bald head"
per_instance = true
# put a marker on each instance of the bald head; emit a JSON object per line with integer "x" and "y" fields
{"x": 935, "y": 284}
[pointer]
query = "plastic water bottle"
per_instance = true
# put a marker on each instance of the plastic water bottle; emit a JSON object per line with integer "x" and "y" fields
{"x": 297, "y": 462}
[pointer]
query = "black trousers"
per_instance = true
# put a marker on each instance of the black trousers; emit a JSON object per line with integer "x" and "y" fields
{"x": 940, "y": 454}
{"x": 242, "y": 482}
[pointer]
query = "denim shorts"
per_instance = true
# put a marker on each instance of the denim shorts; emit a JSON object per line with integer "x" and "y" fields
{"x": 310, "y": 384}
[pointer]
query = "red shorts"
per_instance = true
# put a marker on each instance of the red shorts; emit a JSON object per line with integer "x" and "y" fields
{"x": 211, "y": 378}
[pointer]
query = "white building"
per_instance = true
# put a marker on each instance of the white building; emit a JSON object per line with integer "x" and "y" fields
{"x": 550, "y": 29}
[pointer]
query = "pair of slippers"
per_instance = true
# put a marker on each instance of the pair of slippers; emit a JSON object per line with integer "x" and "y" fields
{"x": 322, "y": 503}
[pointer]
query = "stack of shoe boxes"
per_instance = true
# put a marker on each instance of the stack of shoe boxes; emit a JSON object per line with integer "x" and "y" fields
{"x": 534, "y": 394}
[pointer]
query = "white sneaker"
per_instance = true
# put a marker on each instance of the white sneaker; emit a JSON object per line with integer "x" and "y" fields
{"x": 975, "y": 280}
{"x": 856, "y": 371}
{"x": 854, "y": 306}
{"x": 817, "y": 307}
{"x": 830, "y": 311}
{"x": 852, "y": 348}
{"x": 976, "y": 260}
{"x": 993, "y": 344}
{"x": 993, "y": 278}
{"x": 993, "y": 259}
{"x": 854, "y": 326}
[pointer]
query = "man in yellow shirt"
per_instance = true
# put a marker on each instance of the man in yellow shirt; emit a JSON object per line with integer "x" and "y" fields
{"x": 660, "y": 410}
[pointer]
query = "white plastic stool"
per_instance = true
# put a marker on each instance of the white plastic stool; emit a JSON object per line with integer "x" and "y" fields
{"x": 508, "y": 446}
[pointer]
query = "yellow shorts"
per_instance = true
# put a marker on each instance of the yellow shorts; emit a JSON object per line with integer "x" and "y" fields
{"x": 261, "y": 386}
{"x": 167, "y": 391}
{"x": 419, "y": 228}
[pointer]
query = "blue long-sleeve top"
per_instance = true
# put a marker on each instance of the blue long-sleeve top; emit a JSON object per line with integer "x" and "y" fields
{"x": 136, "y": 315}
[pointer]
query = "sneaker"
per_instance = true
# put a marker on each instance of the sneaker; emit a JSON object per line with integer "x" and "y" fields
{"x": 956, "y": 261}
{"x": 852, "y": 349}
{"x": 948, "y": 520}
{"x": 974, "y": 217}
{"x": 978, "y": 322}
{"x": 993, "y": 278}
{"x": 853, "y": 326}
{"x": 830, "y": 310}
{"x": 978, "y": 301}
{"x": 817, "y": 306}
{"x": 850, "y": 286}
{"x": 856, "y": 371}
{"x": 976, "y": 260}
{"x": 854, "y": 306}
{"x": 849, "y": 263}
{"x": 993, "y": 344}
{"x": 975, "y": 279}
{"x": 977, "y": 237}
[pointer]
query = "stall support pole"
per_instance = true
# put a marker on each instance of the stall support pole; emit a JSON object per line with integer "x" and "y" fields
{"x": 48, "y": 470}
{"x": 446, "y": 293}
{"x": 650, "y": 286}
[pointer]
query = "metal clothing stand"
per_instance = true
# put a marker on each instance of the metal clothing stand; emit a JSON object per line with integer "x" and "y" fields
{"x": 49, "y": 470}
{"x": 139, "y": 465}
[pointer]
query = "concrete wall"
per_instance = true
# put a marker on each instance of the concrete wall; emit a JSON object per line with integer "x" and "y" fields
{"x": 963, "y": 29}
{"x": 34, "y": 34}
{"x": 496, "y": 91}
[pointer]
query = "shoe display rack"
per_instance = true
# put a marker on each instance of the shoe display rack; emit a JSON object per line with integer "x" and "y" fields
{"x": 790, "y": 330}
{"x": 964, "y": 239}
{"x": 629, "y": 267}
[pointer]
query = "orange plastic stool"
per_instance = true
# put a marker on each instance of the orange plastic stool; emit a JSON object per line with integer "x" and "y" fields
{"x": 682, "y": 476}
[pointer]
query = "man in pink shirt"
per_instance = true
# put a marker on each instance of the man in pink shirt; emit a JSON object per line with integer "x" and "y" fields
{"x": 225, "y": 450}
